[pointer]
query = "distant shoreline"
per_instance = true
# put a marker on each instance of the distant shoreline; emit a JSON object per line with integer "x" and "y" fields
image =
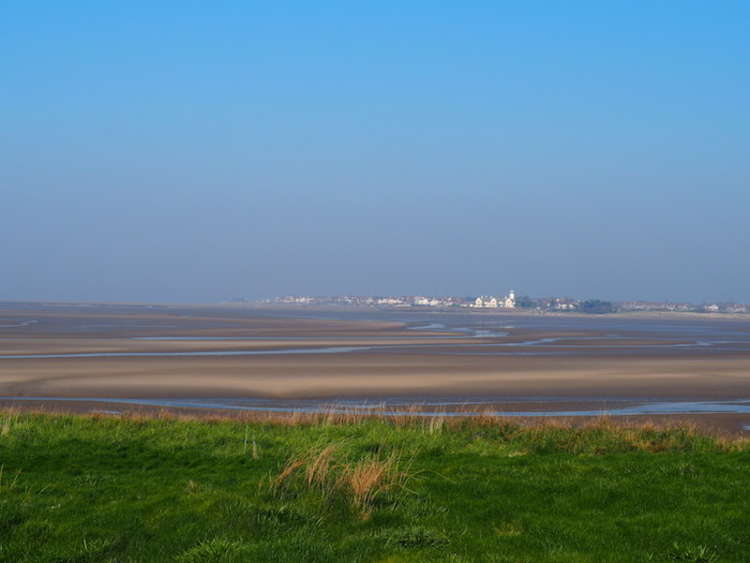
{"x": 495, "y": 312}
{"x": 249, "y": 306}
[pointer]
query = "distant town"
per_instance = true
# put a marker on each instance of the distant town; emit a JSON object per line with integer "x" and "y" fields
{"x": 509, "y": 302}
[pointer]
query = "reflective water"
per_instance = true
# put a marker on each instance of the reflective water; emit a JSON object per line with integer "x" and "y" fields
{"x": 16, "y": 324}
{"x": 284, "y": 351}
{"x": 539, "y": 347}
{"x": 472, "y": 333}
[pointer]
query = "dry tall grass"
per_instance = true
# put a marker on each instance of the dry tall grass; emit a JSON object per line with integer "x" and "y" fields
{"x": 317, "y": 472}
{"x": 9, "y": 417}
{"x": 362, "y": 482}
{"x": 370, "y": 478}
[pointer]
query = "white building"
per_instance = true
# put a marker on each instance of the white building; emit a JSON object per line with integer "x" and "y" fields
{"x": 507, "y": 302}
{"x": 389, "y": 301}
{"x": 427, "y": 301}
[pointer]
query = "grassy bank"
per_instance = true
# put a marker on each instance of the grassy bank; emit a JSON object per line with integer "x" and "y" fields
{"x": 77, "y": 488}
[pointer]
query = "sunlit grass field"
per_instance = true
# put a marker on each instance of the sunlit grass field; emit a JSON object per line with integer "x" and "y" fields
{"x": 338, "y": 488}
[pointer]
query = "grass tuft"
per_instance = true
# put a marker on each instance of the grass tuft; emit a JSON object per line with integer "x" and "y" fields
{"x": 368, "y": 479}
{"x": 317, "y": 471}
{"x": 361, "y": 482}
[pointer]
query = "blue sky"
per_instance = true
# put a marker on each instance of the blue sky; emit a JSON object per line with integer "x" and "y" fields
{"x": 193, "y": 151}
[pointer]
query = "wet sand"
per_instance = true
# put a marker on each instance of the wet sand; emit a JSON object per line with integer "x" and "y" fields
{"x": 378, "y": 375}
{"x": 390, "y": 359}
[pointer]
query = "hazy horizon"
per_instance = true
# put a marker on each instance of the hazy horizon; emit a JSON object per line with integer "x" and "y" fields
{"x": 187, "y": 152}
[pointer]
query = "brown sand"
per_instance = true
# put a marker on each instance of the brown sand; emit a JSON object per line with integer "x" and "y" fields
{"x": 320, "y": 376}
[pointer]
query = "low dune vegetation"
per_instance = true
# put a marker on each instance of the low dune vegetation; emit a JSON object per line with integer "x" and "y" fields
{"x": 337, "y": 487}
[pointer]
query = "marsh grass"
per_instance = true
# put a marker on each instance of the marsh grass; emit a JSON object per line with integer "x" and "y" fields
{"x": 343, "y": 486}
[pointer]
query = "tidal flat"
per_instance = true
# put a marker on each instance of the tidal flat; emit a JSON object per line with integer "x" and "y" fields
{"x": 77, "y": 356}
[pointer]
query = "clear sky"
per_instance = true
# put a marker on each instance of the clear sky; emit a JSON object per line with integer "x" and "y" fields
{"x": 195, "y": 151}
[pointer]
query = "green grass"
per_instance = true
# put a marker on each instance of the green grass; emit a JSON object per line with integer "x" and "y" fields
{"x": 78, "y": 489}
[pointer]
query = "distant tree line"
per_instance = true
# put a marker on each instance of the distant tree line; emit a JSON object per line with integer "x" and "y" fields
{"x": 525, "y": 302}
{"x": 590, "y": 306}
{"x": 597, "y": 307}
